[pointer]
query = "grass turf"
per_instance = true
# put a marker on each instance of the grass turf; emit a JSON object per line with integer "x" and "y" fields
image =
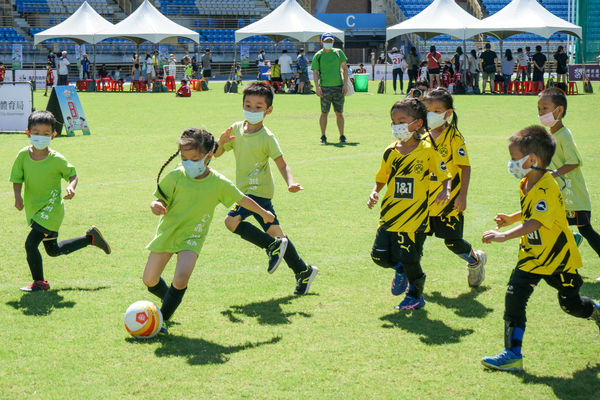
{"x": 239, "y": 332}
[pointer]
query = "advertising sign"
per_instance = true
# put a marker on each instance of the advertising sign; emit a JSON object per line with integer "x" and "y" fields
{"x": 65, "y": 105}
{"x": 16, "y": 102}
{"x": 17, "y": 56}
{"x": 245, "y": 56}
{"x": 591, "y": 71}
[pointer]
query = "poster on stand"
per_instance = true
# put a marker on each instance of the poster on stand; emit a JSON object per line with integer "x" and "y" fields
{"x": 65, "y": 105}
{"x": 17, "y": 56}
{"x": 245, "y": 56}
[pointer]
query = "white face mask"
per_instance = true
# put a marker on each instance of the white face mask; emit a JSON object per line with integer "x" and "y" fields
{"x": 401, "y": 131}
{"x": 548, "y": 119}
{"x": 516, "y": 167}
{"x": 254, "y": 117}
{"x": 327, "y": 45}
{"x": 435, "y": 120}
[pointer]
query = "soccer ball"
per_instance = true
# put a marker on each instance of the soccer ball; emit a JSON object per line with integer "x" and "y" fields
{"x": 143, "y": 319}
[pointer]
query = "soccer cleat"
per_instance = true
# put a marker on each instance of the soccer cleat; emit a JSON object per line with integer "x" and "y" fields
{"x": 163, "y": 329}
{"x": 477, "y": 271}
{"x": 400, "y": 282}
{"x": 98, "y": 239}
{"x": 578, "y": 238}
{"x": 342, "y": 139}
{"x": 323, "y": 139}
{"x": 276, "y": 251}
{"x": 410, "y": 303}
{"x": 505, "y": 361}
{"x": 304, "y": 279}
{"x": 36, "y": 286}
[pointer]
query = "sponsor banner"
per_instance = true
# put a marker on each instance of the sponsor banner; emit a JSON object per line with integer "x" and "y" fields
{"x": 65, "y": 105}
{"x": 16, "y": 102}
{"x": 576, "y": 73}
{"x": 245, "y": 56}
{"x": 17, "y": 56}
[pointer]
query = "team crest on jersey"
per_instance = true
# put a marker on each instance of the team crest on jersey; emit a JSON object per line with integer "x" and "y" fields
{"x": 541, "y": 206}
{"x": 444, "y": 151}
{"x": 443, "y": 166}
{"x": 461, "y": 152}
{"x": 419, "y": 166}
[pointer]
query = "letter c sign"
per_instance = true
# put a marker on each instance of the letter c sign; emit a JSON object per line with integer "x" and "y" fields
{"x": 350, "y": 21}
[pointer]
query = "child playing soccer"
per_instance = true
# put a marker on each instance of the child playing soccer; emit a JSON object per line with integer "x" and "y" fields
{"x": 41, "y": 170}
{"x": 406, "y": 168}
{"x": 447, "y": 221}
{"x": 186, "y": 199}
{"x": 49, "y": 78}
{"x": 552, "y": 108}
{"x": 253, "y": 144}
{"x": 547, "y": 250}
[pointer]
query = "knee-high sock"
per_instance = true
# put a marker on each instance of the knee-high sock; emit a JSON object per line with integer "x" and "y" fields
{"x": 591, "y": 236}
{"x": 55, "y": 249}
{"x": 171, "y": 301}
{"x": 292, "y": 258}
{"x": 253, "y": 235}
{"x": 160, "y": 289}
{"x": 463, "y": 249}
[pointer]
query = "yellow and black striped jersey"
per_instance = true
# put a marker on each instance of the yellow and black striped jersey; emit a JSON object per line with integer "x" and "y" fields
{"x": 405, "y": 205}
{"x": 451, "y": 147}
{"x": 550, "y": 249}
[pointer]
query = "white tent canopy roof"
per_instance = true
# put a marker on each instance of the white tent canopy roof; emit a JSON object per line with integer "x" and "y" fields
{"x": 79, "y": 27}
{"x": 525, "y": 16}
{"x": 442, "y": 17}
{"x": 147, "y": 24}
{"x": 289, "y": 20}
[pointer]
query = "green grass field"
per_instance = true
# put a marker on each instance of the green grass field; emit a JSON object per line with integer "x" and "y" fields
{"x": 240, "y": 333}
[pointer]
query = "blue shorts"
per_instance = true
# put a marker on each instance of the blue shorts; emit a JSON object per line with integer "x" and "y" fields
{"x": 245, "y": 213}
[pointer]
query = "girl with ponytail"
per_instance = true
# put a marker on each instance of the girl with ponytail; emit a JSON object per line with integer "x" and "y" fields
{"x": 185, "y": 201}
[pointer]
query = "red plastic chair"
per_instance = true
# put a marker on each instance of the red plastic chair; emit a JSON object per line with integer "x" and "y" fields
{"x": 572, "y": 88}
{"x": 170, "y": 83}
{"x": 499, "y": 87}
{"x": 514, "y": 87}
{"x": 537, "y": 87}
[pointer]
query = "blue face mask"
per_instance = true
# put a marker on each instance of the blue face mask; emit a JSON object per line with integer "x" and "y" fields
{"x": 194, "y": 168}
{"x": 40, "y": 142}
{"x": 254, "y": 117}
{"x": 515, "y": 167}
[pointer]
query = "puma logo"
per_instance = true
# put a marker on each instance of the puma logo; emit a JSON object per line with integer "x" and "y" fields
{"x": 407, "y": 247}
{"x": 565, "y": 284}
{"x": 452, "y": 226}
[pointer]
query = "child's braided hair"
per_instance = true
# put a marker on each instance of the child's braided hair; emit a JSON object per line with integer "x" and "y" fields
{"x": 415, "y": 108}
{"x": 191, "y": 139}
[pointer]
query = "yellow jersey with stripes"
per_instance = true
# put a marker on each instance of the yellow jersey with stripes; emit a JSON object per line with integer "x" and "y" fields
{"x": 405, "y": 205}
{"x": 552, "y": 248}
{"x": 451, "y": 147}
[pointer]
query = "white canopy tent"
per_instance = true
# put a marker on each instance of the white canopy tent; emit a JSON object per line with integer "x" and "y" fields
{"x": 442, "y": 17}
{"x": 525, "y": 16}
{"x": 289, "y": 20}
{"x": 146, "y": 23}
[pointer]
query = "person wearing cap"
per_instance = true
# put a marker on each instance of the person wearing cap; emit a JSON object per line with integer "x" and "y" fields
{"x": 398, "y": 67}
{"x": 206, "y": 61}
{"x": 63, "y": 69}
{"x": 331, "y": 77}
{"x": 302, "y": 63}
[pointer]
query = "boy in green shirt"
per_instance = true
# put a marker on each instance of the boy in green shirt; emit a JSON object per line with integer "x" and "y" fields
{"x": 41, "y": 170}
{"x": 253, "y": 144}
{"x": 552, "y": 108}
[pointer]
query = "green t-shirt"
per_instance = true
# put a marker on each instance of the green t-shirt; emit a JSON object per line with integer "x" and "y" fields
{"x": 575, "y": 194}
{"x": 328, "y": 64}
{"x": 252, "y": 152}
{"x": 190, "y": 207}
{"x": 43, "y": 200}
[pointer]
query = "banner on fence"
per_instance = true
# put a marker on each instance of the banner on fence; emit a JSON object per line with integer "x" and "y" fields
{"x": 576, "y": 73}
{"x": 16, "y": 102}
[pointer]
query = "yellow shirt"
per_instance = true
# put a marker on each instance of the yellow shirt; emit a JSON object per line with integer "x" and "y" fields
{"x": 550, "y": 249}
{"x": 451, "y": 147}
{"x": 405, "y": 205}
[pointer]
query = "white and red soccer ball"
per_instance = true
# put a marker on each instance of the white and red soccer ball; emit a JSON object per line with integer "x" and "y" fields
{"x": 143, "y": 319}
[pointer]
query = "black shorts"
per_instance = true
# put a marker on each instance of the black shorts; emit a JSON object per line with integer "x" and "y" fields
{"x": 434, "y": 71}
{"x": 267, "y": 204}
{"x": 206, "y": 73}
{"x": 446, "y": 228}
{"x": 579, "y": 218}
{"x": 47, "y": 233}
{"x": 403, "y": 247}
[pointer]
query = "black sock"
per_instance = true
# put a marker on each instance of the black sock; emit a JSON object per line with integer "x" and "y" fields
{"x": 34, "y": 258}
{"x": 591, "y": 236}
{"x": 160, "y": 289}
{"x": 54, "y": 249}
{"x": 253, "y": 235}
{"x": 292, "y": 258}
{"x": 171, "y": 301}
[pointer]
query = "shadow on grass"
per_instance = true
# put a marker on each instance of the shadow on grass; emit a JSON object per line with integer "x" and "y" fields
{"x": 431, "y": 332}
{"x": 339, "y": 144}
{"x": 199, "y": 351}
{"x": 591, "y": 289}
{"x": 465, "y": 305}
{"x": 268, "y": 312}
{"x": 582, "y": 385}
{"x": 43, "y": 303}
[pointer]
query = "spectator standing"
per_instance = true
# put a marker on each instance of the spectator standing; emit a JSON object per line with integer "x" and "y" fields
{"x": 460, "y": 63}
{"x": 562, "y": 59}
{"x": 206, "y": 61}
{"x": 260, "y": 60}
{"x": 473, "y": 69}
{"x": 399, "y": 65}
{"x": 52, "y": 59}
{"x": 302, "y": 63}
{"x": 412, "y": 61}
{"x": 172, "y": 65}
{"x": 522, "y": 61}
{"x": 528, "y": 54}
{"x": 488, "y": 66}
{"x": 331, "y": 77}
{"x": 538, "y": 64}
{"x": 155, "y": 63}
{"x": 63, "y": 69}
{"x": 433, "y": 66}
{"x": 508, "y": 66}
{"x": 49, "y": 77}
{"x": 103, "y": 73}
{"x": 149, "y": 69}
{"x": 85, "y": 67}
{"x": 286, "y": 67}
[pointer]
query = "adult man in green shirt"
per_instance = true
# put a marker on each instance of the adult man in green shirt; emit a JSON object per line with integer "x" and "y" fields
{"x": 331, "y": 76}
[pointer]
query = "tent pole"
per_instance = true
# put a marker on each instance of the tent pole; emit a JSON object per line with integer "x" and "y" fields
{"x": 385, "y": 68}
{"x": 548, "y": 50}
{"x": 34, "y": 68}
{"x": 94, "y": 74}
